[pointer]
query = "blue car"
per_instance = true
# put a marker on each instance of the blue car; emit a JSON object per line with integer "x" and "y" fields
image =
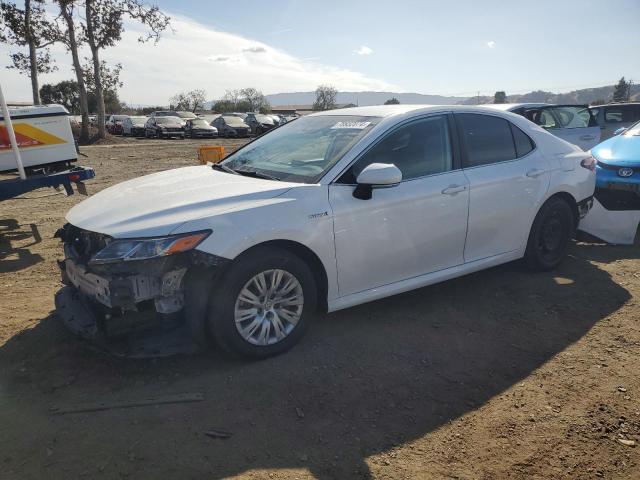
{"x": 618, "y": 170}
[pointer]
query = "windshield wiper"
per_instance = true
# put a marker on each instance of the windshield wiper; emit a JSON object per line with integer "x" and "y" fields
{"x": 254, "y": 174}
{"x": 223, "y": 168}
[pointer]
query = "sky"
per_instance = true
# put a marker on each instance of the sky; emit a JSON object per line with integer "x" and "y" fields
{"x": 458, "y": 47}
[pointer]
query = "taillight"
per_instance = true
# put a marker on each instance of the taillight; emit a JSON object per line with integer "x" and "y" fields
{"x": 589, "y": 163}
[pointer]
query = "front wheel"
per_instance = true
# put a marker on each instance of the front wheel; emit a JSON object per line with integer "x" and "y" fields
{"x": 264, "y": 303}
{"x": 550, "y": 235}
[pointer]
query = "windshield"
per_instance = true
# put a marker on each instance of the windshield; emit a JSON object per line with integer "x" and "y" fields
{"x": 164, "y": 113}
{"x": 138, "y": 120}
{"x": 302, "y": 151}
{"x": 234, "y": 121}
{"x": 167, "y": 120}
{"x": 199, "y": 123}
{"x": 187, "y": 115}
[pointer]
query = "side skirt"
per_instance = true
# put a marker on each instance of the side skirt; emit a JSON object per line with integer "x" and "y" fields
{"x": 422, "y": 281}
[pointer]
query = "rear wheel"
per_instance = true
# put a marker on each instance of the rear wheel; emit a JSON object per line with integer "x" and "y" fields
{"x": 550, "y": 235}
{"x": 263, "y": 304}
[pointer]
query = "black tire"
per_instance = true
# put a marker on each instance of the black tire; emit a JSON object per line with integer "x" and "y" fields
{"x": 221, "y": 318}
{"x": 550, "y": 235}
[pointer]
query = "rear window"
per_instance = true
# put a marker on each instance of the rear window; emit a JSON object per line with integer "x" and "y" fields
{"x": 622, "y": 113}
{"x": 523, "y": 143}
{"x": 488, "y": 139}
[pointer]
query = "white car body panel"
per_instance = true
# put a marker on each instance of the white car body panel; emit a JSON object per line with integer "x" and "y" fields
{"x": 409, "y": 230}
{"x": 503, "y": 200}
{"x": 404, "y": 237}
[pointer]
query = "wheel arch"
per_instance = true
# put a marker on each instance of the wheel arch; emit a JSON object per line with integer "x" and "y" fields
{"x": 309, "y": 257}
{"x": 571, "y": 201}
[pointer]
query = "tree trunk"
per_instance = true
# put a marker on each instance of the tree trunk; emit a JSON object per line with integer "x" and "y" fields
{"x": 102, "y": 131}
{"x": 82, "y": 91}
{"x": 33, "y": 59}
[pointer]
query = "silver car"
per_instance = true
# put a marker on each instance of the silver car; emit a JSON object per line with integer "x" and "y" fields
{"x": 574, "y": 123}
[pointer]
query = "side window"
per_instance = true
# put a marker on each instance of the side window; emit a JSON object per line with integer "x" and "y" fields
{"x": 422, "y": 147}
{"x": 487, "y": 139}
{"x": 523, "y": 143}
{"x": 572, "y": 117}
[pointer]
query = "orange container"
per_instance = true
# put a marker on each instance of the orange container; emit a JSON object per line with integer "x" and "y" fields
{"x": 210, "y": 153}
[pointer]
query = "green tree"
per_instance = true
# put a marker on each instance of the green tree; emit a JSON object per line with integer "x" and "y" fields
{"x": 29, "y": 27}
{"x": 65, "y": 93}
{"x": 622, "y": 91}
{"x": 392, "y": 101}
{"x": 103, "y": 26}
{"x": 325, "y": 98}
{"x": 69, "y": 35}
{"x": 500, "y": 97}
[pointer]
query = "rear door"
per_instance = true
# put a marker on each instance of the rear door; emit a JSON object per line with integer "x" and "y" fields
{"x": 508, "y": 178}
{"x": 575, "y": 124}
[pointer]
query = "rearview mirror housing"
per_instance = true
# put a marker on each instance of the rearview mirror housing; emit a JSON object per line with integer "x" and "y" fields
{"x": 376, "y": 175}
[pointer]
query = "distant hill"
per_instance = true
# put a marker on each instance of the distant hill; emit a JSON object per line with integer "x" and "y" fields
{"x": 583, "y": 96}
{"x": 363, "y": 98}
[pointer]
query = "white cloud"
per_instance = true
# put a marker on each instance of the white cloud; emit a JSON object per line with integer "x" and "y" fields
{"x": 197, "y": 56}
{"x": 363, "y": 50}
{"x": 491, "y": 44}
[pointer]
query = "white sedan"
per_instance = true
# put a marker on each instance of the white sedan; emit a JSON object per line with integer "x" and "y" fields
{"x": 333, "y": 210}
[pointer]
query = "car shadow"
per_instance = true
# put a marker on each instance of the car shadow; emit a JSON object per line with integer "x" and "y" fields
{"x": 363, "y": 381}
{"x": 15, "y": 258}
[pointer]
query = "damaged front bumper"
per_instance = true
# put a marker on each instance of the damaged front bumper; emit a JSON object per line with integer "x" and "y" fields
{"x": 141, "y": 298}
{"x": 126, "y": 290}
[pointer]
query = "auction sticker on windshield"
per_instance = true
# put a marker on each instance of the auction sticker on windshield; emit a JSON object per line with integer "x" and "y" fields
{"x": 351, "y": 125}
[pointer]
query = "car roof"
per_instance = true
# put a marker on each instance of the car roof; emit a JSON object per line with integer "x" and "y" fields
{"x": 392, "y": 110}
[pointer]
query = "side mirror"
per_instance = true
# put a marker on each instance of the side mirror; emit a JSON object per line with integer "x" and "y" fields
{"x": 376, "y": 175}
{"x": 620, "y": 131}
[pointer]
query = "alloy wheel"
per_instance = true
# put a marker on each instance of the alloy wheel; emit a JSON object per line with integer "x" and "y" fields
{"x": 268, "y": 307}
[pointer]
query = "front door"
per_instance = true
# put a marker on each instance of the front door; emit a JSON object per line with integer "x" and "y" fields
{"x": 411, "y": 229}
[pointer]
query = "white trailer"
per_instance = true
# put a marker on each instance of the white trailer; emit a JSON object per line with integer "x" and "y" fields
{"x": 37, "y": 142}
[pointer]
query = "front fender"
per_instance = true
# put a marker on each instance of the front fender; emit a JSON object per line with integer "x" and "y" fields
{"x": 300, "y": 215}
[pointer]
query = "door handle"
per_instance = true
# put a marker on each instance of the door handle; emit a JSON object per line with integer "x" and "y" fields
{"x": 535, "y": 173}
{"x": 587, "y": 137}
{"x": 453, "y": 189}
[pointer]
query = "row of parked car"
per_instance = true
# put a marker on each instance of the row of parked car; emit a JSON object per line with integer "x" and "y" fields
{"x": 170, "y": 123}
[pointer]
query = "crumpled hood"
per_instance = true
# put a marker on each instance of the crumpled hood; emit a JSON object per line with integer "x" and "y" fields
{"x": 157, "y": 204}
{"x": 621, "y": 150}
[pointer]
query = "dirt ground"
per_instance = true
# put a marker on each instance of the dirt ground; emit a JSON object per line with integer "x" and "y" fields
{"x": 499, "y": 374}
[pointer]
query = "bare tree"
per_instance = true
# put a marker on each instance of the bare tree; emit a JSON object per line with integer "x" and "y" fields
{"x": 192, "y": 100}
{"x": 325, "y": 98}
{"x": 232, "y": 96}
{"x": 103, "y": 28}
{"x": 255, "y": 99}
{"x": 70, "y": 40}
{"x": 32, "y": 28}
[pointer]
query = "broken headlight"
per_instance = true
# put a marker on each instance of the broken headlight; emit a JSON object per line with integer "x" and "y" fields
{"x": 145, "y": 248}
